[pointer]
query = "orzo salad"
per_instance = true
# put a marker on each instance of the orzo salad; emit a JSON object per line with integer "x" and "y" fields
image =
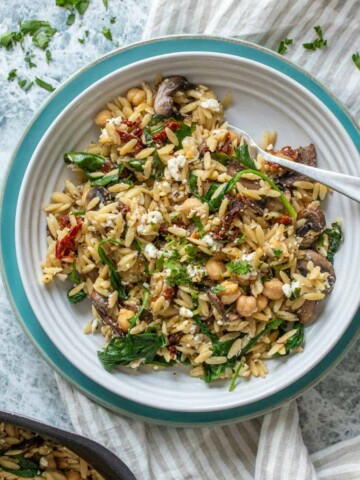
{"x": 191, "y": 251}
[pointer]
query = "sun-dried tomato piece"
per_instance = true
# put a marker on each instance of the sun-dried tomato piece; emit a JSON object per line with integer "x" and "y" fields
{"x": 65, "y": 246}
{"x": 169, "y": 293}
{"x": 289, "y": 152}
{"x": 64, "y": 221}
{"x": 284, "y": 220}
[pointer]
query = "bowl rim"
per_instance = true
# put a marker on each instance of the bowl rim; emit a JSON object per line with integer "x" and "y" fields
{"x": 302, "y": 382}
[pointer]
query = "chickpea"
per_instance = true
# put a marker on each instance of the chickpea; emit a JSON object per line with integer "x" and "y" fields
{"x": 135, "y": 96}
{"x": 228, "y": 288}
{"x": 123, "y": 319}
{"x": 231, "y": 298}
{"x": 215, "y": 269}
{"x": 73, "y": 475}
{"x": 190, "y": 204}
{"x": 273, "y": 289}
{"x": 102, "y": 117}
{"x": 262, "y": 302}
{"x": 246, "y": 305}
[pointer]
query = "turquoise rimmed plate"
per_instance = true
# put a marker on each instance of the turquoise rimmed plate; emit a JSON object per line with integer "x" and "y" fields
{"x": 268, "y": 93}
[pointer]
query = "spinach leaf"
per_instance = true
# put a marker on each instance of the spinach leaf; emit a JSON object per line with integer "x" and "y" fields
{"x": 297, "y": 340}
{"x": 137, "y": 165}
{"x": 335, "y": 236}
{"x": 28, "y": 468}
{"x": 74, "y": 275}
{"x": 182, "y": 132}
{"x": 12, "y": 75}
{"x": 44, "y": 85}
{"x": 115, "y": 279}
{"x": 123, "y": 350}
{"x": 89, "y": 162}
{"x": 159, "y": 167}
{"x": 193, "y": 184}
{"x": 242, "y": 155}
{"x": 141, "y": 309}
{"x": 78, "y": 297}
{"x": 105, "y": 180}
{"x": 221, "y": 157}
{"x": 273, "y": 325}
{"x": 235, "y": 376}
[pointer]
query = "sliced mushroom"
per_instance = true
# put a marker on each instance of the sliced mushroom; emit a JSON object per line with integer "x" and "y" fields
{"x": 322, "y": 262}
{"x": 215, "y": 300}
{"x": 306, "y": 312}
{"x": 313, "y": 226}
{"x": 101, "y": 305}
{"x": 102, "y": 193}
{"x": 164, "y": 102}
{"x": 306, "y": 156}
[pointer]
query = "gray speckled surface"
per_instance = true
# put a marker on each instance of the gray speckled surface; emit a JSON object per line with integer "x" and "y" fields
{"x": 329, "y": 412}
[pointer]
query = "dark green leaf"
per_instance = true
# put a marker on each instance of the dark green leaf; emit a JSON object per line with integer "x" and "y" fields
{"x": 106, "y": 3}
{"x": 220, "y": 157}
{"x": 218, "y": 288}
{"x": 335, "y": 236}
{"x": 113, "y": 20}
{"x": 239, "y": 267}
{"x": 79, "y": 213}
{"x": 78, "y": 297}
{"x": 107, "y": 33}
{"x": 177, "y": 273}
{"x": 318, "y": 43}
{"x": 356, "y": 59}
{"x": 81, "y": 40}
{"x": 89, "y": 162}
{"x": 9, "y": 39}
{"x": 28, "y": 468}
{"x": 12, "y": 75}
{"x": 115, "y": 279}
{"x": 193, "y": 184}
{"x": 71, "y": 19}
{"x": 25, "y": 84}
{"x": 235, "y": 376}
{"x": 242, "y": 155}
{"x": 28, "y": 59}
{"x": 80, "y": 5}
{"x": 123, "y": 350}
{"x": 105, "y": 180}
{"x": 44, "y": 85}
{"x": 134, "y": 319}
{"x": 277, "y": 252}
{"x": 137, "y": 165}
{"x": 181, "y": 133}
{"x": 296, "y": 341}
{"x": 74, "y": 275}
{"x": 31, "y": 27}
{"x": 273, "y": 325}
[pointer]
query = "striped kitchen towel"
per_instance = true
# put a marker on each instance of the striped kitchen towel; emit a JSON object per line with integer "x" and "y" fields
{"x": 269, "y": 447}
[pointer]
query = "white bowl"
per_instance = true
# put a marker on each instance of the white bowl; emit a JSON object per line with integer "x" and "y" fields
{"x": 263, "y": 99}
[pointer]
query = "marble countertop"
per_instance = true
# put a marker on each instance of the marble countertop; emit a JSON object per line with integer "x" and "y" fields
{"x": 328, "y": 411}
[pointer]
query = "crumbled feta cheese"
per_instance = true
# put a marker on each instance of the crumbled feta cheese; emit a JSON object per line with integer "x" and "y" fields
{"x": 185, "y": 312}
{"x": 211, "y": 104}
{"x": 248, "y": 257}
{"x": 192, "y": 329}
{"x": 195, "y": 273}
{"x": 151, "y": 251}
{"x": 211, "y": 243}
{"x": 174, "y": 165}
{"x": 270, "y": 147}
{"x": 115, "y": 121}
{"x": 104, "y": 137}
{"x": 148, "y": 220}
{"x": 289, "y": 288}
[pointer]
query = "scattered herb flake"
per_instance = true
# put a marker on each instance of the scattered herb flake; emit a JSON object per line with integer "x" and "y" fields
{"x": 277, "y": 252}
{"x": 106, "y": 3}
{"x": 239, "y": 267}
{"x": 48, "y": 56}
{"x": 12, "y": 75}
{"x": 283, "y": 45}
{"x": 80, "y": 5}
{"x": 81, "y": 40}
{"x": 107, "y": 33}
{"x": 28, "y": 59}
{"x": 112, "y": 20}
{"x": 71, "y": 19}
{"x": 335, "y": 236}
{"x": 318, "y": 43}
{"x": 25, "y": 84}
{"x": 356, "y": 59}
{"x": 44, "y": 85}
{"x": 218, "y": 288}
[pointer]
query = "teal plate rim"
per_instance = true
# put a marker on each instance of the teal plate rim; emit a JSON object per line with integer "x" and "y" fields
{"x": 10, "y": 190}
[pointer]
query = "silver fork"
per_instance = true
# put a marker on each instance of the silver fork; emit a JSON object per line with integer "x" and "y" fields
{"x": 342, "y": 183}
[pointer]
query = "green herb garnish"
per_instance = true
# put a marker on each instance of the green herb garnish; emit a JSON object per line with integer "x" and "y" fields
{"x": 181, "y": 133}
{"x": 44, "y": 85}
{"x": 12, "y": 75}
{"x": 79, "y": 5}
{"x": 78, "y": 297}
{"x": 107, "y": 33}
{"x": 71, "y": 19}
{"x": 221, "y": 157}
{"x": 106, "y": 3}
{"x": 239, "y": 267}
{"x": 235, "y": 376}
{"x": 177, "y": 273}
{"x": 199, "y": 225}
{"x": 113, "y": 20}
{"x": 124, "y": 350}
{"x": 27, "y": 468}
{"x": 134, "y": 319}
{"x": 218, "y": 288}
{"x": 25, "y": 84}
{"x": 277, "y": 252}
{"x": 48, "y": 56}
{"x": 115, "y": 279}
{"x": 28, "y": 59}
{"x": 89, "y": 162}
{"x": 356, "y": 59}
{"x": 318, "y": 43}
{"x": 283, "y": 45}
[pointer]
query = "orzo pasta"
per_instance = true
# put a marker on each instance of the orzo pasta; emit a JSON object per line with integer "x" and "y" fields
{"x": 191, "y": 251}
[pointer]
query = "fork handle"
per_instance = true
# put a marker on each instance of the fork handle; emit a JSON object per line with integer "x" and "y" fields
{"x": 345, "y": 184}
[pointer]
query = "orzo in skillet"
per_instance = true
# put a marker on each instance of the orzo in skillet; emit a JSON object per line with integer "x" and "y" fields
{"x": 191, "y": 251}
{"x": 24, "y": 454}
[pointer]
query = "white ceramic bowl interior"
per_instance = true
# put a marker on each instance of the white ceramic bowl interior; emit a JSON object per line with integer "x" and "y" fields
{"x": 263, "y": 99}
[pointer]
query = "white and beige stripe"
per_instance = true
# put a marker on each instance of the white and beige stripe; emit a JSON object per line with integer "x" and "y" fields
{"x": 269, "y": 447}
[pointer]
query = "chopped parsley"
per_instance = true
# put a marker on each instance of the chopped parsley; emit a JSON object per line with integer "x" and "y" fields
{"x": 48, "y": 56}
{"x": 240, "y": 239}
{"x": 176, "y": 273}
{"x": 112, "y": 20}
{"x": 283, "y": 45}
{"x": 199, "y": 225}
{"x": 239, "y": 267}
{"x": 356, "y": 59}
{"x": 40, "y": 31}
{"x": 28, "y": 59}
{"x": 107, "y": 33}
{"x": 106, "y": 3}
{"x": 318, "y": 43}
{"x": 25, "y": 84}
{"x": 277, "y": 252}
{"x": 335, "y": 236}
{"x": 12, "y": 75}
{"x": 71, "y": 19}
{"x": 44, "y": 85}
{"x": 218, "y": 288}
{"x": 79, "y": 5}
